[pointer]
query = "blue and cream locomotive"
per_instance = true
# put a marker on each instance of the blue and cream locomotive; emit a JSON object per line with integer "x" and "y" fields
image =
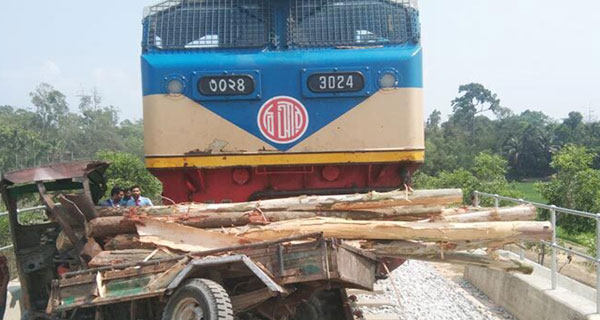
{"x": 252, "y": 99}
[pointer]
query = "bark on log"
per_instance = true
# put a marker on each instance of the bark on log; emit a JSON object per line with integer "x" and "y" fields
{"x": 126, "y": 241}
{"x": 462, "y": 210}
{"x": 110, "y": 226}
{"x": 114, "y": 225}
{"x": 403, "y": 247}
{"x": 107, "y": 258}
{"x": 392, "y": 230}
{"x": 183, "y": 238}
{"x": 493, "y": 261}
{"x": 519, "y": 213}
{"x": 366, "y": 201}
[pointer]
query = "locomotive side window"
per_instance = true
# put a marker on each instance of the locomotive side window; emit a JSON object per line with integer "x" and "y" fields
{"x": 195, "y": 24}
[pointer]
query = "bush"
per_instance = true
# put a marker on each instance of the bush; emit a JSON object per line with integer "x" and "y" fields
{"x": 127, "y": 170}
{"x": 487, "y": 175}
{"x": 575, "y": 186}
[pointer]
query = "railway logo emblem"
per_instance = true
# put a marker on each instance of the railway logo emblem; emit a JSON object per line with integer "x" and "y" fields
{"x": 283, "y": 119}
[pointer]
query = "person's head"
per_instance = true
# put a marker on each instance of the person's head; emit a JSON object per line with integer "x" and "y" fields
{"x": 136, "y": 192}
{"x": 127, "y": 193}
{"x": 116, "y": 194}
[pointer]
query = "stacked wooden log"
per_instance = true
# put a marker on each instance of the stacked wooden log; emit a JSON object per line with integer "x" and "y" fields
{"x": 399, "y": 224}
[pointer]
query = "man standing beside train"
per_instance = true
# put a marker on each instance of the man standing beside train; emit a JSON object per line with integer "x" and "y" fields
{"x": 136, "y": 198}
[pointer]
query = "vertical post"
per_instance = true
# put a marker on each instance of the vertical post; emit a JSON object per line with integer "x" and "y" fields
{"x": 476, "y": 199}
{"x": 598, "y": 263}
{"x": 553, "y": 262}
{"x": 496, "y": 201}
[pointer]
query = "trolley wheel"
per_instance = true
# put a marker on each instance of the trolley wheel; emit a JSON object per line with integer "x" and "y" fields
{"x": 199, "y": 299}
{"x": 324, "y": 305}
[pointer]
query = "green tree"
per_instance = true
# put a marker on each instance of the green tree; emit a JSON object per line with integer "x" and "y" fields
{"x": 475, "y": 100}
{"x": 127, "y": 170}
{"x": 433, "y": 121}
{"x": 575, "y": 185}
{"x": 50, "y": 107}
{"x": 487, "y": 175}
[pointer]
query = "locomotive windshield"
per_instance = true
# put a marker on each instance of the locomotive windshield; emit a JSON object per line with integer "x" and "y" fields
{"x": 200, "y": 24}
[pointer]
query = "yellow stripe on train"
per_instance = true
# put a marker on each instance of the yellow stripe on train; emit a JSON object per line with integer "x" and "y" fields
{"x": 217, "y": 161}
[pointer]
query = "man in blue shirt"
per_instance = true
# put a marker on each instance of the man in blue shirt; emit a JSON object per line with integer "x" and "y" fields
{"x": 116, "y": 194}
{"x": 126, "y": 197}
{"x": 136, "y": 198}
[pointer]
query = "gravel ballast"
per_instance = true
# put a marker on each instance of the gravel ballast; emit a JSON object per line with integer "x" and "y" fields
{"x": 427, "y": 294}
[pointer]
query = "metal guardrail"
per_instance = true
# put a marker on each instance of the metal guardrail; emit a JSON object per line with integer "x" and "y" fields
{"x": 553, "y": 211}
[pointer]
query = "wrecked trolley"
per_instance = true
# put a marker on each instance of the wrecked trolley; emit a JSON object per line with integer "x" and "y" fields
{"x": 301, "y": 277}
{"x": 270, "y": 280}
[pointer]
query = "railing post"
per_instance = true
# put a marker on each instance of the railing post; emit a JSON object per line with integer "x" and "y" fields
{"x": 553, "y": 262}
{"x": 598, "y": 263}
{"x": 496, "y": 201}
{"x": 476, "y": 199}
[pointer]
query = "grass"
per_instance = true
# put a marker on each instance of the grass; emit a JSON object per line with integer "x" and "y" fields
{"x": 529, "y": 192}
{"x": 585, "y": 239}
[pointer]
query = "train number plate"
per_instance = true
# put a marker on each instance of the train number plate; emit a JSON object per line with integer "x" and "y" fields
{"x": 233, "y": 85}
{"x": 336, "y": 82}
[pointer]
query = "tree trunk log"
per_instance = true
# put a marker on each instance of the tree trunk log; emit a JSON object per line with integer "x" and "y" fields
{"x": 114, "y": 225}
{"x": 487, "y": 261}
{"x": 367, "y": 201}
{"x": 462, "y": 210}
{"x": 125, "y": 242}
{"x": 110, "y": 226}
{"x": 403, "y": 247}
{"x": 391, "y": 230}
{"x": 520, "y": 213}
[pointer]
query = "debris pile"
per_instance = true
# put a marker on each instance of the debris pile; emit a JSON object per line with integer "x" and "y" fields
{"x": 420, "y": 225}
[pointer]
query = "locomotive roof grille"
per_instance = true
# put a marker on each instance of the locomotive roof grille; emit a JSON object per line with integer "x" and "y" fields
{"x": 203, "y": 24}
{"x": 199, "y": 24}
{"x": 352, "y": 23}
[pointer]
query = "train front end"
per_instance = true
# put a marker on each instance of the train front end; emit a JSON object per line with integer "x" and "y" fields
{"x": 254, "y": 99}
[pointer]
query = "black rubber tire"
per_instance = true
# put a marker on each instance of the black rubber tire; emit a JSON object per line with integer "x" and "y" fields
{"x": 210, "y": 296}
{"x": 324, "y": 305}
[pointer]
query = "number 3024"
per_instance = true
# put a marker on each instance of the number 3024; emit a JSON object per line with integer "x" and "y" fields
{"x": 336, "y": 82}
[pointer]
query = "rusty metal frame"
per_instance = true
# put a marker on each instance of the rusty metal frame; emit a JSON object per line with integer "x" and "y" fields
{"x": 220, "y": 261}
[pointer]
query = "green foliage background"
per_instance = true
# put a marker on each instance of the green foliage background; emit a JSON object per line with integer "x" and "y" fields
{"x": 127, "y": 170}
{"x": 488, "y": 174}
{"x": 575, "y": 185}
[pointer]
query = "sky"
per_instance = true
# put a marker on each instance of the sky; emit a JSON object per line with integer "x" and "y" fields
{"x": 534, "y": 54}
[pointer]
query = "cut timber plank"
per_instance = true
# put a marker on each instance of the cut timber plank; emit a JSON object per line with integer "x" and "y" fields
{"x": 178, "y": 237}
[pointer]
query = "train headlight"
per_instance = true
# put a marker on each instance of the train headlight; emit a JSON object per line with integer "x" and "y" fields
{"x": 388, "y": 80}
{"x": 175, "y": 86}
